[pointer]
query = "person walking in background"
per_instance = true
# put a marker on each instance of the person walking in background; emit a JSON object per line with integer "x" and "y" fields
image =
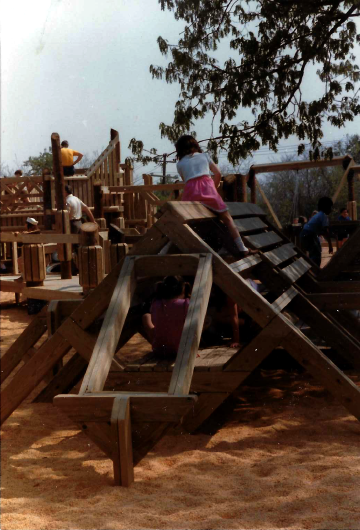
{"x": 343, "y": 234}
{"x": 76, "y": 207}
{"x": 67, "y": 159}
{"x": 317, "y": 225}
{"x": 194, "y": 167}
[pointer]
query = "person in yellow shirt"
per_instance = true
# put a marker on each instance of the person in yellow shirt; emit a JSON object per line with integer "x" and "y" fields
{"x": 67, "y": 159}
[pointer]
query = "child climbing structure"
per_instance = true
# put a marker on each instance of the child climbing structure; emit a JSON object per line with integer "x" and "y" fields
{"x": 125, "y": 408}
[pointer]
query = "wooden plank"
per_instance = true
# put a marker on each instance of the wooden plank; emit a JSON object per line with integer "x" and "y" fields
{"x": 65, "y": 380}
{"x": 333, "y": 301}
{"x": 323, "y": 370}
{"x": 175, "y": 264}
{"x": 158, "y": 381}
{"x": 32, "y": 373}
{"x": 268, "y": 204}
{"x": 285, "y": 299}
{"x": 301, "y": 164}
{"x": 244, "y": 209}
{"x": 295, "y": 270}
{"x": 246, "y": 264}
{"x": 143, "y": 188}
{"x": 281, "y": 254}
{"x": 144, "y": 407}
{"x": 190, "y": 338}
{"x": 339, "y": 287}
{"x": 110, "y": 332}
{"x": 122, "y": 456}
{"x": 263, "y": 240}
{"x": 230, "y": 282}
{"x": 28, "y": 338}
{"x": 249, "y": 224}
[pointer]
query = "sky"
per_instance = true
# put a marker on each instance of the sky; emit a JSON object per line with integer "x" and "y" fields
{"x": 81, "y": 67}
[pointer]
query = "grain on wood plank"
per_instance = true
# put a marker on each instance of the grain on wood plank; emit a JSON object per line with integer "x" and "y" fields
{"x": 122, "y": 456}
{"x": 266, "y": 239}
{"x": 111, "y": 328}
{"x": 245, "y": 263}
{"x": 244, "y": 209}
{"x": 281, "y": 254}
{"x": 295, "y": 270}
{"x": 190, "y": 338}
{"x": 284, "y": 299}
{"x": 249, "y": 224}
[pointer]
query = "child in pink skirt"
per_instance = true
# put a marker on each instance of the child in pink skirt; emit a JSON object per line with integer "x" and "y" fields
{"x": 194, "y": 168}
{"x": 165, "y": 321}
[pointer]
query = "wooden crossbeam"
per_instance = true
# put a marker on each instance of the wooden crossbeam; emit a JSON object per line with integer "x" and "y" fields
{"x": 39, "y": 238}
{"x": 303, "y": 164}
{"x": 335, "y": 301}
{"x": 190, "y": 338}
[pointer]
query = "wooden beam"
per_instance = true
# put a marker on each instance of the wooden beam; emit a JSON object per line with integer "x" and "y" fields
{"x": 267, "y": 202}
{"x": 304, "y": 164}
{"x": 174, "y": 264}
{"x": 343, "y": 257}
{"x": 39, "y": 238}
{"x": 111, "y": 328}
{"x": 194, "y": 322}
{"x": 142, "y": 188}
{"x": 343, "y": 180}
{"x": 333, "y": 301}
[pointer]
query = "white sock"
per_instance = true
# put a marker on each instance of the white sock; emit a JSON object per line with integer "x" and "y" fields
{"x": 240, "y": 245}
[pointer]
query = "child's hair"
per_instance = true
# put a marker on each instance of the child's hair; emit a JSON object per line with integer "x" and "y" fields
{"x": 68, "y": 189}
{"x": 18, "y": 172}
{"x": 343, "y": 210}
{"x": 64, "y": 143}
{"x": 186, "y": 145}
{"x": 172, "y": 287}
{"x": 302, "y": 220}
{"x": 325, "y": 204}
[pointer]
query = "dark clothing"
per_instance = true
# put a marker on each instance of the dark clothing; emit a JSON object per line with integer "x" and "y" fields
{"x": 310, "y": 242}
{"x": 69, "y": 171}
{"x": 75, "y": 226}
{"x": 343, "y": 232}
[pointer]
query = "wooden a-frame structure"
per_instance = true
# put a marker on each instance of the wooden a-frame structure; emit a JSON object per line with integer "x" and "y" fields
{"x": 125, "y": 410}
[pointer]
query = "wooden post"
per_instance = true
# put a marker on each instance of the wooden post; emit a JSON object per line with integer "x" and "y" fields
{"x": 47, "y": 199}
{"x": 252, "y": 185}
{"x": 117, "y": 252}
{"x": 241, "y": 192}
{"x": 62, "y": 223}
{"x": 351, "y": 205}
{"x": 34, "y": 264}
{"x": 91, "y": 270}
{"x": 61, "y": 206}
{"x": 119, "y": 222}
{"x": 114, "y": 134}
{"x": 99, "y": 205}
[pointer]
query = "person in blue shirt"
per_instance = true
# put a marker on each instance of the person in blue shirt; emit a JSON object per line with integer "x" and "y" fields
{"x": 316, "y": 226}
{"x": 343, "y": 234}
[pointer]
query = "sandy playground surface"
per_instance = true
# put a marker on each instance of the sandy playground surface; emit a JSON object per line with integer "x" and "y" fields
{"x": 287, "y": 456}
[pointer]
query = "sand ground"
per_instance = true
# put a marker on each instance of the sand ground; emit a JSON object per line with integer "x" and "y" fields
{"x": 287, "y": 456}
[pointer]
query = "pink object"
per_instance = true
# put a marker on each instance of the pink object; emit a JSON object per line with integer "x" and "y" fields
{"x": 168, "y": 317}
{"x": 202, "y": 189}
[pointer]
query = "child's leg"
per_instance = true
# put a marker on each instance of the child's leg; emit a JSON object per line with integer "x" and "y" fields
{"x": 234, "y": 232}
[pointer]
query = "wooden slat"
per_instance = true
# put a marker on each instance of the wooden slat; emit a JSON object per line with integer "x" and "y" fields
{"x": 249, "y": 224}
{"x": 244, "y": 209}
{"x": 190, "y": 338}
{"x": 246, "y": 263}
{"x": 281, "y": 254}
{"x": 296, "y": 270}
{"x": 110, "y": 332}
{"x": 263, "y": 240}
{"x": 284, "y": 299}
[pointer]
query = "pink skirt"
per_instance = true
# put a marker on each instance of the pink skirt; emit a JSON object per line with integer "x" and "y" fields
{"x": 202, "y": 189}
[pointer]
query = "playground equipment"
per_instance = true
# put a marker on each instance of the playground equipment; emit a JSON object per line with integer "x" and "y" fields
{"x": 126, "y": 407}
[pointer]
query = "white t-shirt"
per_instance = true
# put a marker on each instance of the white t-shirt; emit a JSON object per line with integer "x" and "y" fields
{"x": 74, "y": 205}
{"x": 193, "y": 166}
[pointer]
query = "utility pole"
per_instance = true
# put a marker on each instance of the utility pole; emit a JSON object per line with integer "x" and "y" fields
{"x": 164, "y": 169}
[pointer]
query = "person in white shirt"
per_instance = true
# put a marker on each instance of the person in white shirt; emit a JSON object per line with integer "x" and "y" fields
{"x": 76, "y": 207}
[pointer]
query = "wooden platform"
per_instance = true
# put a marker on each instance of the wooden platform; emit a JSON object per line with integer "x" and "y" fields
{"x": 54, "y": 288}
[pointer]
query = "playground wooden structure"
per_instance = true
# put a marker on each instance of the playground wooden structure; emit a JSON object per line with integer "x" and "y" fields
{"x": 125, "y": 408}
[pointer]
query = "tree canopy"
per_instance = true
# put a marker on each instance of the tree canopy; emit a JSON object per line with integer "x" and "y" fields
{"x": 271, "y": 45}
